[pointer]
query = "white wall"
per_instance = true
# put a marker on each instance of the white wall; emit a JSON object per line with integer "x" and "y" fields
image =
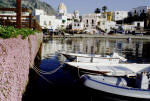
{"x": 119, "y": 15}
{"x": 77, "y": 26}
{"x": 38, "y": 12}
{"x": 90, "y": 20}
{"x": 49, "y": 22}
{"x": 139, "y": 22}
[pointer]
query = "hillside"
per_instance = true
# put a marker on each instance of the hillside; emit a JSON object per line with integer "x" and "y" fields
{"x": 32, "y": 4}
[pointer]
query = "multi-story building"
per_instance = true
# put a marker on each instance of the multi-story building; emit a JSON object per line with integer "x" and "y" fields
{"x": 120, "y": 15}
{"x": 104, "y": 24}
{"x": 139, "y": 10}
{"x": 90, "y": 20}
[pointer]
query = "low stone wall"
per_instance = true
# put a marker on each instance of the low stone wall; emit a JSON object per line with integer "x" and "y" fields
{"x": 16, "y": 57}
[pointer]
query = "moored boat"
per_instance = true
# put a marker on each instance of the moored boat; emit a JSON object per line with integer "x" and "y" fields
{"x": 137, "y": 87}
{"x": 115, "y": 58}
{"x": 111, "y": 69}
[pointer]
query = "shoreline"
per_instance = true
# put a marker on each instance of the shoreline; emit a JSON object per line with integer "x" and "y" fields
{"x": 119, "y": 36}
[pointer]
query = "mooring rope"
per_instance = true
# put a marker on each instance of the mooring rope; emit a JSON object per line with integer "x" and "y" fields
{"x": 48, "y": 73}
{"x": 43, "y": 77}
{"x": 40, "y": 72}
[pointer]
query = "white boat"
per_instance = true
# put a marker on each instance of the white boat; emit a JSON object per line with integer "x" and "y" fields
{"x": 111, "y": 69}
{"x": 138, "y": 87}
{"x": 115, "y": 58}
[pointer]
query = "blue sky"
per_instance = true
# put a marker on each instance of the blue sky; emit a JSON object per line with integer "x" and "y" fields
{"x": 88, "y": 6}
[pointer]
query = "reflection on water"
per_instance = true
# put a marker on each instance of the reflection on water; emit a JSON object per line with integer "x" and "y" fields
{"x": 61, "y": 85}
{"x": 133, "y": 50}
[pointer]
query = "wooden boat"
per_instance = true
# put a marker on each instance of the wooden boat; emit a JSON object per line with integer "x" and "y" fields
{"x": 115, "y": 58}
{"x": 137, "y": 87}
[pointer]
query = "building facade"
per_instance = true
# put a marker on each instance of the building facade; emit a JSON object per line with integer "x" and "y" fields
{"x": 90, "y": 20}
{"x": 139, "y": 10}
{"x": 120, "y": 15}
{"x": 109, "y": 15}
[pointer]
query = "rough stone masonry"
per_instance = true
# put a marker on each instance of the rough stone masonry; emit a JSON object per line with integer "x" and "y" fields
{"x": 16, "y": 57}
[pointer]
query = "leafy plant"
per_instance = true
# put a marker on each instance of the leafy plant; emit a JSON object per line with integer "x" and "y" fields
{"x": 11, "y": 32}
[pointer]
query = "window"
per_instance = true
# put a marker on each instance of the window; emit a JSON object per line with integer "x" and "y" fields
{"x": 92, "y": 21}
{"x": 63, "y": 21}
{"x": 135, "y": 12}
{"x": 87, "y": 21}
{"x": 78, "y": 24}
{"x": 143, "y": 11}
{"x": 138, "y": 25}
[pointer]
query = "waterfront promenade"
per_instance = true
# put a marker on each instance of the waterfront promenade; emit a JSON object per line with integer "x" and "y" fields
{"x": 117, "y": 36}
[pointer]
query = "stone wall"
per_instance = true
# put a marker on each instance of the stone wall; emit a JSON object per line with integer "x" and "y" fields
{"x": 16, "y": 57}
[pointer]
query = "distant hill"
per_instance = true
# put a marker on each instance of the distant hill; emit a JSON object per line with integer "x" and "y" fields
{"x": 32, "y": 4}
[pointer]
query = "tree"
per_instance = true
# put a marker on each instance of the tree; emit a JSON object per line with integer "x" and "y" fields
{"x": 104, "y": 8}
{"x": 97, "y": 10}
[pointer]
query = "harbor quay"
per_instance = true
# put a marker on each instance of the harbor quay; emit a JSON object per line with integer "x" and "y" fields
{"x": 116, "y": 36}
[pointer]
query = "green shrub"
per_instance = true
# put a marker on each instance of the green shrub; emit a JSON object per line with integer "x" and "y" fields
{"x": 11, "y": 32}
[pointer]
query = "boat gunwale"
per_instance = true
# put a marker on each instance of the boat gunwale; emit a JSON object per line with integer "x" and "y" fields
{"x": 91, "y": 56}
{"x": 128, "y": 88}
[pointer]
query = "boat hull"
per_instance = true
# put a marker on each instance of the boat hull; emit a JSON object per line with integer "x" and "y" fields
{"x": 116, "y": 90}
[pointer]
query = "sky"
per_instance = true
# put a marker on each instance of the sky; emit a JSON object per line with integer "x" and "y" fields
{"x": 88, "y": 6}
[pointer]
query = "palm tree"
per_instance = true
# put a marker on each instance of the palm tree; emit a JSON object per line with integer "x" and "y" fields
{"x": 104, "y": 8}
{"x": 97, "y": 10}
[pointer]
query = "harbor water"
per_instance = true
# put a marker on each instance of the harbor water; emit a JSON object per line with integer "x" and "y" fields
{"x": 61, "y": 85}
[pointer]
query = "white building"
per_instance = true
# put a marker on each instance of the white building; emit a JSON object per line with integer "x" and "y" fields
{"x": 38, "y": 12}
{"x": 138, "y": 24}
{"x": 139, "y": 10}
{"x": 104, "y": 24}
{"x": 120, "y": 15}
{"x": 128, "y": 28}
{"x": 60, "y": 21}
{"x": 90, "y": 20}
{"x": 48, "y": 22}
{"x": 78, "y": 26}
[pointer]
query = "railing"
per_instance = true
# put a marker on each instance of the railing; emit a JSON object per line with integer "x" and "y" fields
{"x": 27, "y": 21}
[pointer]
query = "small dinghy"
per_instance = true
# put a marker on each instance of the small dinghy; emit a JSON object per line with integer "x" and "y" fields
{"x": 93, "y": 58}
{"x": 136, "y": 87}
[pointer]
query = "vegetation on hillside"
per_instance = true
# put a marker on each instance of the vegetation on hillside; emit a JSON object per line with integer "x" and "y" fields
{"x": 32, "y": 4}
{"x": 11, "y": 32}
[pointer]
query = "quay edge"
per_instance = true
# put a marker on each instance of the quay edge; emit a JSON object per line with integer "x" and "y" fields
{"x": 16, "y": 58}
{"x": 142, "y": 37}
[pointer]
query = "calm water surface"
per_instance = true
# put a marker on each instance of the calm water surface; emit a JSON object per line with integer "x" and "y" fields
{"x": 62, "y": 85}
